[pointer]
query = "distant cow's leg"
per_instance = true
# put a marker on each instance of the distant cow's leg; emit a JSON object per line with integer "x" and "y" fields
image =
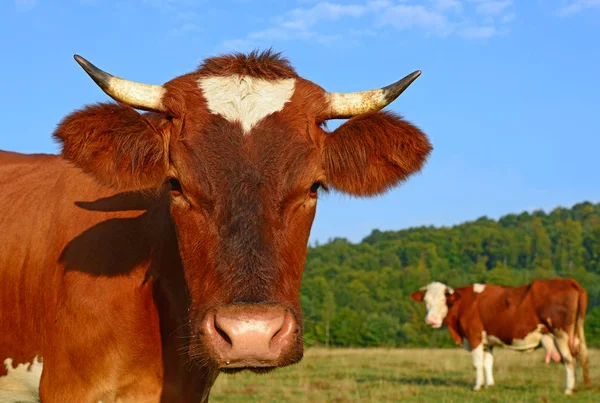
{"x": 488, "y": 364}
{"x": 562, "y": 342}
{"x": 477, "y": 355}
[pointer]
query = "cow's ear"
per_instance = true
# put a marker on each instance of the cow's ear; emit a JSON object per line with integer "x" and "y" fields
{"x": 417, "y": 295}
{"x": 451, "y": 298}
{"x": 115, "y": 144}
{"x": 372, "y": 152}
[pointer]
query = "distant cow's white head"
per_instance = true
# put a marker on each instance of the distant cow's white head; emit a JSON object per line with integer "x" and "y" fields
{"x": 437, "y": 297}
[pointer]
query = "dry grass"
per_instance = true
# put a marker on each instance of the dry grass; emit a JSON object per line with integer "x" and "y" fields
{"x": 414, "y": 375}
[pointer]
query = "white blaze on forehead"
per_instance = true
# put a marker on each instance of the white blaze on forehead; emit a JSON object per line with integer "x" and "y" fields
{"x": 435, "y": 300}
{"x": 478, "y": 288}
{"x": 246, "y": 99}
{"x": 22, "y": 382}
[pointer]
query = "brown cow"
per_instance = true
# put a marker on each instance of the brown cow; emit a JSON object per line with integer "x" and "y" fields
{"x": 161, "y": 249}
{"x": 481, "y": 317}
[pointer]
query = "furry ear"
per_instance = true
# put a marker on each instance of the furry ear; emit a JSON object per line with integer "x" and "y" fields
{"x": 373, "y": 152}
{"x": 451, "y": 298}
{"x": 417, "y": 296}
{"x": 115, "y": 144}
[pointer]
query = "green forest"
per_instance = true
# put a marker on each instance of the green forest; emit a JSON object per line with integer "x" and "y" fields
{"x": 358, "y": 294}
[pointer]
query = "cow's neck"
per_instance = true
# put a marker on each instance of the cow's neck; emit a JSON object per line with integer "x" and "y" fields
{"x": 182, "y": 380}
{"x": 451, "y": 322}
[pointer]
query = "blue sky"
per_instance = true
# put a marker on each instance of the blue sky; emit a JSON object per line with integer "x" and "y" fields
{"x": 509, "y": 96}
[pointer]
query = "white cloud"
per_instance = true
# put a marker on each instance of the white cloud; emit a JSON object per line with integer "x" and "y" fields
{"x": 491, "y": 7}
{"x": 362, "y": 32}
{"x": 508, "y": 17}
{"x": 327, "y": 22}
{"x": 183, "y": 29}
{"x": 444, "y": 5}
{"x": 187, "y": 15}
{"x": 25, "y": 5}
{"x": 299, "y": 23}
{"x": 159, "y": 3}
{"x": 482, "y": 32}
{"x": 577, "y": 6}
{"x": 405, "y": 17}
{"x": 238, "y": 45}
{"x": 303, "y": 19}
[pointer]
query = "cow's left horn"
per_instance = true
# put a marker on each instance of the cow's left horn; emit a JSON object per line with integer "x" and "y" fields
{"x": 140, "y": 96}
{"x": 347, "y": 104}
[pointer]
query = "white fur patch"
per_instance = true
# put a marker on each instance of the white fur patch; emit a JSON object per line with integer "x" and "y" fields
{"x": 244, "y": 99}
{"x": 531, "y": 340}
{"x": 488, "y": 367}
{"x": 478, "y": 356}
{"x": 435, "y": 302}
{"x": 562, "y": 342}
{"x": 22, "y": 383}
{"x": 478, "y": 288}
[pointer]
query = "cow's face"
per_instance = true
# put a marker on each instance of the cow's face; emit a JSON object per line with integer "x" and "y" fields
{"x": 437, "y": 298}
{"x": 239, "y": 151}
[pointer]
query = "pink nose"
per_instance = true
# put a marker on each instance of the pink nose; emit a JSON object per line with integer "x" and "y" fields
{"x": 249, "y": 335}
{"x": 432, "y": 320}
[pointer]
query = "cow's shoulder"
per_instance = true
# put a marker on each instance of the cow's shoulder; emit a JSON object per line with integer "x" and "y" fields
{"x": 464, "y": 315}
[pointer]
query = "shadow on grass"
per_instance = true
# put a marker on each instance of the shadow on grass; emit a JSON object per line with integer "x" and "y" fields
{"x": 438, "y": 381}
{"x": 432, "y": 381}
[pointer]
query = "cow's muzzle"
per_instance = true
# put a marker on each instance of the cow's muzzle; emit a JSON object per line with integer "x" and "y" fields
{"x": 434, "y": 322}
{"x": 250, "y": 336}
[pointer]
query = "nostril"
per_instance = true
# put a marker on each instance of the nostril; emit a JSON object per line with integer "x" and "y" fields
{"x": 222, "y": 333}
{"x": 212, "y": 331}
{"x": 285, "y": 332}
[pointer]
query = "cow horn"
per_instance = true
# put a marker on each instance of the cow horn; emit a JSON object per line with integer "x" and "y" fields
{"x": 140, "y": 96}
{"x": 347, "y": 104}
{"x": 450, "y": 290}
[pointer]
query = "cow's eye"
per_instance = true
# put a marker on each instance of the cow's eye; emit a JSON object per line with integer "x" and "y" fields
{"x": 314, "y": 188}
{"x": 175, "y": 186}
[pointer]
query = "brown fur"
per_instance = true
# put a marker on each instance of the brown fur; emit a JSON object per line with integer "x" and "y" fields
{"x": 115, "y": 252}
{"x": 115, "y": 144}
{"x": 373, "y": 152}
{"x": 267, "y": 65}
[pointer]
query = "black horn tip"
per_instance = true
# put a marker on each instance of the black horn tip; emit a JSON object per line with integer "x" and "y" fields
{"x": 411, "y": 77}
{"x": 393, "y": 91}
{"x": 83, "y": 63}
{"x": 100, "y": 77}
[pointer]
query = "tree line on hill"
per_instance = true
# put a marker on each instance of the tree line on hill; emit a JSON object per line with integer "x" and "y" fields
{"x": 358, "y": 294}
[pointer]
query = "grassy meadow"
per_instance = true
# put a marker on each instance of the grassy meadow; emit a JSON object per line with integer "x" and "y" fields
{"x": 412, "y": 375}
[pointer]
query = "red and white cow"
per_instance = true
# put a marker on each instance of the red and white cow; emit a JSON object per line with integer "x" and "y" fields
{"x": 161, "y": 249}
{"x": 548, "y": 313}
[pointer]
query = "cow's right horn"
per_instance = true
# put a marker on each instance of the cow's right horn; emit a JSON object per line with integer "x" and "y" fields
{"x": 137, "y": 95}
{"x": 345, "y": 105}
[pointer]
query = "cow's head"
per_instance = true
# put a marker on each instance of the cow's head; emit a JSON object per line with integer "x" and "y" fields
{"x": 438, "y": 297}
{"x": 239, "y": 151}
